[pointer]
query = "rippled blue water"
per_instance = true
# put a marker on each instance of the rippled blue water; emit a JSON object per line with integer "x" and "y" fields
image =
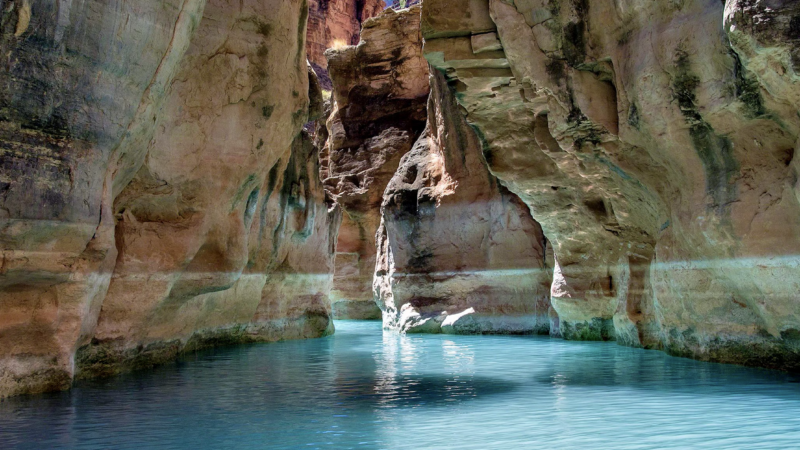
{"x": 365, "y": 389}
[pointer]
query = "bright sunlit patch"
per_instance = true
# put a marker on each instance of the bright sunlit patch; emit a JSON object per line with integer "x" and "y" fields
{"x": 337, "y": 44}
{"x": 453, "y": 318}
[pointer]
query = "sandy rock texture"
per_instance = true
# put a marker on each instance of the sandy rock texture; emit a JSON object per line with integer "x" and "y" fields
{"x": 335, "y": 23}
{"x": 655, "y": 143}
{"x": 155, "y": 191}
{"x": 458, "y": 253}
{"x": 378, "y": 112}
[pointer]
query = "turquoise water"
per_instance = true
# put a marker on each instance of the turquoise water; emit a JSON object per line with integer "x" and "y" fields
{"x": 363, "y": 388}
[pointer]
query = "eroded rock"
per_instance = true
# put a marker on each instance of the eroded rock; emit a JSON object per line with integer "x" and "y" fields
{"x": 335, "y": 24}
{"x": 654, "y": 142}
{"x": 379, "y": 100}
{"x": 458, "y": 253}
{"x": 152, "y": 197}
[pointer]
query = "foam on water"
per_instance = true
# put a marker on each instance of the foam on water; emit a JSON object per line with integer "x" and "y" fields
{"x": 363, "y": 388}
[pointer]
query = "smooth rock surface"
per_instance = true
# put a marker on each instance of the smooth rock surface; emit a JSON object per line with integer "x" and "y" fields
{"x": 152, "y": 197}
{"x": 655, "y": 144}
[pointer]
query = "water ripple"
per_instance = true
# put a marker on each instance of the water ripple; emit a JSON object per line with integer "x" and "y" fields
{"x": 366, "y": 389}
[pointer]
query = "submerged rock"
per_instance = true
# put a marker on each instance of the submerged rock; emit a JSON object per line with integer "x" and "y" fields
{"x": 655, "y": 144}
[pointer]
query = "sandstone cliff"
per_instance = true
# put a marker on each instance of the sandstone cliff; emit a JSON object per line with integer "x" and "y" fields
{"x": 156, "y": 192}
{"x": 655, "y": 143}
{"x": 458, "y": 253}
{"x": 379, "y": 98}
{"x": 335, "y": 23}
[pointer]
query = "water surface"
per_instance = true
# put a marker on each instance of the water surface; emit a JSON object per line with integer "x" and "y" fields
{"x": 366, "y": 389}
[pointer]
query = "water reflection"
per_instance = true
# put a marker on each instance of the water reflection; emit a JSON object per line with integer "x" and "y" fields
{"x": 401, "y": 380}
{"x": 366, "y": 389}
{"x": 619, "y": 367}
{"x": 413, "y": 391}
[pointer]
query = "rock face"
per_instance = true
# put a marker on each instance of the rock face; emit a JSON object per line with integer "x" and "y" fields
{"x": 458, "y": 253}
{"x": 335, "y": 23}
{"x": 655, "y": 143}
{"x": 379, "y": 100}
{"x": 156, "y": 194}
{"x": 398, "y": 4}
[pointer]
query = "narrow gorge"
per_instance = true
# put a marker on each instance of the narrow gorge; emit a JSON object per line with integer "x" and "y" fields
{"x": 661, "y": 186}
{"x": 181, "y": 175}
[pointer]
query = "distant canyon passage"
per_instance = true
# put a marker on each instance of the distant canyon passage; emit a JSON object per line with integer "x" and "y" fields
{"x": 176, "y": 174}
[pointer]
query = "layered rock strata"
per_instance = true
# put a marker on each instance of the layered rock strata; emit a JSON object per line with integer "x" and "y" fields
{"x": 335, "y": 24}
{"x": 458, "y": 253}
{"x": 156, "y": 194}
{"x": 655, "y": 143}
{"x": 378, "y": 111}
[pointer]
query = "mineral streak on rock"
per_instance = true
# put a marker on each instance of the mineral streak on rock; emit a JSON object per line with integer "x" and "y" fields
{"x": 155, "y": 194}
{"x": 654, "y": 142}
{"x": 379, "y": 100}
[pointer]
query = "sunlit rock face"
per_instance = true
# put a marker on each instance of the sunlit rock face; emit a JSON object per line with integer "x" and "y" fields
{"x": 156, "y": 192}
{"x": 379, "y": 110}
{"x": 458, "y": 253}
{"x": 654, "y": 142}
{"x": 335, "y": 23}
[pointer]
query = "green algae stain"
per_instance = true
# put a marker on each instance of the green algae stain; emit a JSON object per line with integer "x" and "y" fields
{"x": 715, "y": 151}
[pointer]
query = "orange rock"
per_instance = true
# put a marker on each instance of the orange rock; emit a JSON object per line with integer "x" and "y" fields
{"x": 379, "y": 99}
{"x": 655, "y": 143}
{"x": 335, "y": 24}
{"x": 158, "y": 194}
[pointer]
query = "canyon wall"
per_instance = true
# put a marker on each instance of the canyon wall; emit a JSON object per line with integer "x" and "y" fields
{"x": 335, "y": 23}
{"x": 655, "y": 143}
{"x": 156, "y": 192}
{"x": 458, "y": 253}
{"x": 380, "y": 92}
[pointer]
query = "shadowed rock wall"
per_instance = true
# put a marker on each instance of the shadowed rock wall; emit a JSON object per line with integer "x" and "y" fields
{"x": 155, "y": 194}
{"x": 655, "y": 143}
{"x": 379, "y": 100}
